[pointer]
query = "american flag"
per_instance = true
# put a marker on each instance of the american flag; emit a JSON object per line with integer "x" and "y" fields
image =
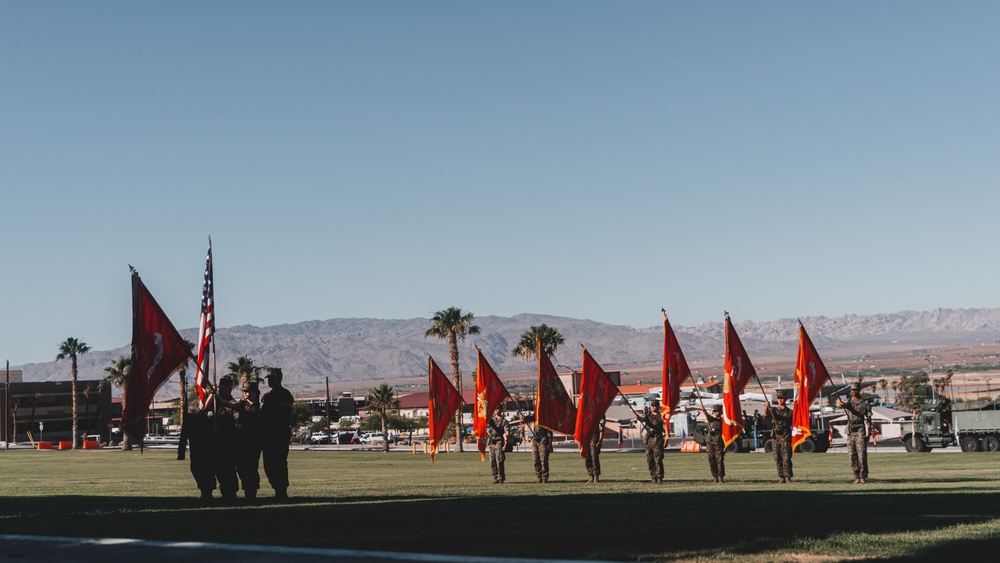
{"x": 206, "y": 329}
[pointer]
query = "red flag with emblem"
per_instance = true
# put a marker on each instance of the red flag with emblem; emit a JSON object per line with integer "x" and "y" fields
{"x": 444, "y": 399}
{"x": 675, "y": 371}
{"x": 490, "y": 392}
{"x": 739, "y": 371}
{"x": 157, "y": 351}
{"x": 810, "y": 375}
{"x": 596, "y": 393}
{"x": 554, "y": 407}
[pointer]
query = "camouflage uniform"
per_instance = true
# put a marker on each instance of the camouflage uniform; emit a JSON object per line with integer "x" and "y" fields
{"x": 497, "y": 433}
{"x": 219, "y": 433}
{"x": 541, "y": 445}
{"x": 781, "y": 441}
{"x": 593, "y": 460}
{"x": 655, "y": 432}
{"x": 859, "y": 419}
{"x": 716, "y": 447}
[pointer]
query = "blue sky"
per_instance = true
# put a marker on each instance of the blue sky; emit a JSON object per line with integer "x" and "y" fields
{"x": 583, "y": 159}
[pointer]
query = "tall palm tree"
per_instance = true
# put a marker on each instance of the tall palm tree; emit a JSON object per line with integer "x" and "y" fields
{"x": 550, "y": 338}
{"x": 71, "y": 348}
{"x": 244, "y": 371}
{"x": 117, "y": 375}
{"x": 453, "y": 325}
{"x": 383, "y": 399}
{"x": 883, "y": 383}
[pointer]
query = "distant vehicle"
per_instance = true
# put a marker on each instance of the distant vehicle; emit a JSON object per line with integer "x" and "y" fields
{"x": 938, "y": 426}
{"x": 319, "y": 438}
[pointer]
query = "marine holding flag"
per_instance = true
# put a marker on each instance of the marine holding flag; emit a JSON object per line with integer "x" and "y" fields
{"x": 596, "y": 393}
{"x": 490, "y": 393}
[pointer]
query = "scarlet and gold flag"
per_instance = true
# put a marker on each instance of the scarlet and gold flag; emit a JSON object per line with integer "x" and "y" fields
{"x": 157, "y": 351}
{"x": 596, "y": 393}
{"x": 739, "y": 371}
{"x": 444, "y": 399}
{"x": 554, "y": 407}
{"x": 810, "y": 376}
{"x": 675, "y": 371}
{"x": 490, "y": 392}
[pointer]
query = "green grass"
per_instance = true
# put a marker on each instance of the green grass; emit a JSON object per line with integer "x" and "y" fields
{"x": 916, "y": 506}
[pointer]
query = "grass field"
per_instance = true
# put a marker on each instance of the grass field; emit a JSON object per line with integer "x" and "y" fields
{"x": 915, "y": 506}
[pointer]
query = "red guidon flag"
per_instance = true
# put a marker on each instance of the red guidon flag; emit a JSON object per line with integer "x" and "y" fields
{"x": 596, "y": 393}
{"x": 739, "y": 371}
{"x": 675, "y": 371}
{"x": 490, "y": 392}
{"x": 810, "y": 375}
{"x": 554, "y": 407}
{"x": 157, "y": 351}
{"x": 444, "y": 399}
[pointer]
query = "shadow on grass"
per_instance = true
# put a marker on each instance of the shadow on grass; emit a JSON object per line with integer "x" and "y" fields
{"x": 613, "y": 526}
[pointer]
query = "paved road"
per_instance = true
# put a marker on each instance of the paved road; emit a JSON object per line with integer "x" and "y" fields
{"x": 98, "y": 550}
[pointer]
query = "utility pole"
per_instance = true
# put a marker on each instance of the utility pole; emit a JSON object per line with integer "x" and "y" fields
{"x": 6, "y": 410}
{"x": 329, "y": 435}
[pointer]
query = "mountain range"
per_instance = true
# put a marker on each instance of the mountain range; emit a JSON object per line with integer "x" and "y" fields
{"x": 362, "y": 349}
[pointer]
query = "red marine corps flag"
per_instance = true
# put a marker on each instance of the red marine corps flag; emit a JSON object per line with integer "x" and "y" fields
{"x": 206, "y": 330}
{"x": 444, "y": 399}
{"x": 675, "y": 370}
{"x": 157, "y": 351}
{"x": 810, "y": 375}
{"x": 739, "y": 371}
{"x": 554, "y": 407}
{"x": 596, "y": 393}
{"x": 490, "y": 392}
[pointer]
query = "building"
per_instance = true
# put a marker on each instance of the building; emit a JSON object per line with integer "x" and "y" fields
{"x": 43, "y": 410}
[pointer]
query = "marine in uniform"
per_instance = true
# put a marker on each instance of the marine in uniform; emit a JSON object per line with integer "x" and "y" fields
{"x": 714, "y": 445}
{"x": 859, "y": 423}
{"x": 249, "y": 433}
{"x": 593, "y": 460}
{"x": 541, "y": 446}
{"x": 652, "y": 420}
{"x": 497, "y": 435}
{"x": 276, "y": 411}
{"x": 781, "y": 437}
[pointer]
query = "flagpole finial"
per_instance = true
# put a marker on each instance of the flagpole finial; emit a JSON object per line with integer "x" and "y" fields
{"x": 726, "y": 313}
{"x": 664, "y": 311}
{"x": 131, "y": 269}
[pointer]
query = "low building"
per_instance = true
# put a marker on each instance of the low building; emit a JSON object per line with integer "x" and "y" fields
{"x": 43, "y": 410}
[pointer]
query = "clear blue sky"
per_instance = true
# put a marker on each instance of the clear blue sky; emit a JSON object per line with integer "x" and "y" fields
{"x": 585, "y": 159}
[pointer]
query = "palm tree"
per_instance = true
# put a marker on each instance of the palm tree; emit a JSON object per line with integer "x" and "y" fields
{"x": 884, "y": 384}
{"x": 550, "y": 338}
{"x": 453, "y": 325}
{"x": 72, "y": 348}
{"x": 383, "y": 398}
{"x": 244, "y": 370}
{"x": 117, "y": 375}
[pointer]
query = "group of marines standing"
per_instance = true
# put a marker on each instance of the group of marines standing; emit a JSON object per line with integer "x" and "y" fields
{"x": 228, "y": 436}
{"x": 859, "y": 424}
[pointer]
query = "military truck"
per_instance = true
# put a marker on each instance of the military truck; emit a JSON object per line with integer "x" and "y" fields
{"x": 939, "y": 425}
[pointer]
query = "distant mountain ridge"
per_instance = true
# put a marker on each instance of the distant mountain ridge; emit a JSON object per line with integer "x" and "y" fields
{"x": 364, "y": 349}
